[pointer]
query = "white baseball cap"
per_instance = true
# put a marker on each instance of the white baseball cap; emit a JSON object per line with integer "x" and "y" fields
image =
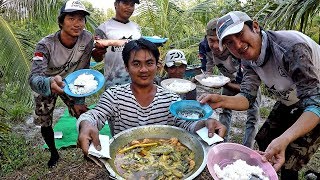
{"x": 73, "y": 5}
{"x": 230, "y": 23}
{"x": 175, "y": 57}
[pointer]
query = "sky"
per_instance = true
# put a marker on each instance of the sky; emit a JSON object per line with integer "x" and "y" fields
{"x": 102, "y": 4}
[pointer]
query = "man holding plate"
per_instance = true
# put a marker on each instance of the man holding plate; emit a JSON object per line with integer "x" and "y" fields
{"x": 230, "y": 67}
{"x": 175, "y": 66}
{"x": 56, "y": 56}
{"x": 288, "y": 63}
{"x": 138, "y": 103}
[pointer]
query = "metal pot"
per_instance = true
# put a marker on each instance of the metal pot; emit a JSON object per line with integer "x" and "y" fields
{"x": 158, "y": 131}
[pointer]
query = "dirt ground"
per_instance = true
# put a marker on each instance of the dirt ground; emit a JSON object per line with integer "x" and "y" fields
{"x": 72, "y": 164}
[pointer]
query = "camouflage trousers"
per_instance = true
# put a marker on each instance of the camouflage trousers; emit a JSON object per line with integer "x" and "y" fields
{"x": 45, "y": 106}
{"x": 300, "y": 151}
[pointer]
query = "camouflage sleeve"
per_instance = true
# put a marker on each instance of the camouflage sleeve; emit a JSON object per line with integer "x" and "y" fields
{"x": 250, "y": 83}
{"x": 303, "y": 73}
{"x": 210, "y": 63}
{"x": 239, "y": 73}
{"x": 38, "y": 81}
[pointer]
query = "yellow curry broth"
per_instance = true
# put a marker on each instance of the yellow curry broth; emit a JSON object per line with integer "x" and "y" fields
{"x": 154, "y": 159}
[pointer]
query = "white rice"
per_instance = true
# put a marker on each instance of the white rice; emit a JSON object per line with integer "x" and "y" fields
{"x": 239, "y": 170}
{"x": 190, "y": 115}
{"x": 177, "y": 86}
{"x": 85, "y": 80}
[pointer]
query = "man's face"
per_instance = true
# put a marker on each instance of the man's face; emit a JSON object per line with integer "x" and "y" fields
{"x": 73, "y": 24}
{"x": 246, "y": 44}
{"x": 142, "y": 67}
{"x": 176, "y": 71}
{"x": 124, "y": 9}
{"x": 213, "y": 43}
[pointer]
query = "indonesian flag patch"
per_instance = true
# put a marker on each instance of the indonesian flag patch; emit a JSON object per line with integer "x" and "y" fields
{"x": 38, "y": 56}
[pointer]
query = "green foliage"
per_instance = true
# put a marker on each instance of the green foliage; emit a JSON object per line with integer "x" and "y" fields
{"x": 4, "y": 129}
{"x": 264, "y": 112}
{"x": 292, "y": 14}
{"x": 14, "y": 64}
{"x": 16, "y": 154}
{"x": 96, "y": 15}
{"x": 14, "y": 110}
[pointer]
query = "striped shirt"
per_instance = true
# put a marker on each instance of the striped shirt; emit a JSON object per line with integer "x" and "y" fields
{"x": 119, "y": 107}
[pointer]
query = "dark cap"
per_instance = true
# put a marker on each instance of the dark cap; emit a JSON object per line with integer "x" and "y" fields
{"x": 72, "y": 6}
{"x": 135, "y": 1}
{"x": 211, "y": 27}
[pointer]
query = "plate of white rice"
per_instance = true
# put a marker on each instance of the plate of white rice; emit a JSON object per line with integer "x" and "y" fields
{"x": 214, "y": 81}
{"x": 84, "y": 82}
{"x": 179, "y": 86}
{"x": 232, "y": 161}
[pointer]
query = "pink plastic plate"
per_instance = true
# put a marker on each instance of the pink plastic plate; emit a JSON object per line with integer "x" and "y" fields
{"x": 227, "y": 153}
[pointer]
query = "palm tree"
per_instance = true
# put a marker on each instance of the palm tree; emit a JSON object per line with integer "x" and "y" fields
{"x": 183, "y": 25}
{"x": 16, "y": 45}
{"x": 292, "y": 14}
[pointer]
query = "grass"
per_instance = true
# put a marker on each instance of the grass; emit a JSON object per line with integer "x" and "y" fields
{"x": 28, "y": 160}
{"x": 17, "y": 154}
{"x": 264, "y": 112}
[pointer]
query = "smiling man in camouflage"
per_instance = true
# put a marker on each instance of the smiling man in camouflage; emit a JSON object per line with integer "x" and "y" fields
{"x": 56, "y": 56}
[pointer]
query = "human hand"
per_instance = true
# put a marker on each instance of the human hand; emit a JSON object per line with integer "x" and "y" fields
{"x": 100, "y": 44}
{"x": 79, "y": 109}
{"x": 215, "y": 126}
{"x": 98, "y": 54}
{"x": 87, "y": 134}
{"x": 214, "y": 100}
{"x": 56, "y": 84}
{"x": 275, "y": 152}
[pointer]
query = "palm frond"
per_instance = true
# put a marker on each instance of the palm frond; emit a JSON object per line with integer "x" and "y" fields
{"x": 13, "y": 61}
{"x": 293, "y": 14}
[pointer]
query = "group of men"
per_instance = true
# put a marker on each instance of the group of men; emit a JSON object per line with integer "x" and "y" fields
{"x": 287, "y": 62}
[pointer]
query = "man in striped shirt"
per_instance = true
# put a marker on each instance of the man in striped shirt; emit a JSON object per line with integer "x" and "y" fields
{"x": 138, "y": 103}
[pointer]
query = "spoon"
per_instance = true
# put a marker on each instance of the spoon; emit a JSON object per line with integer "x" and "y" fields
{"x": 254, "y": 177}
{"x": 204, "y": 74}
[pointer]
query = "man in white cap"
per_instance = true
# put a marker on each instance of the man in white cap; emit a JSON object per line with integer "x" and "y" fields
{"x": 56, "y": 56}
{"x": 288, "y": 63}
{"x": 230, "y": 67}
{"x": 175, "y": 66}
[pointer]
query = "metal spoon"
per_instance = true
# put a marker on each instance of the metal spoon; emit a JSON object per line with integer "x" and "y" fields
{"x": 78, "y": 85}
{"x": 204, "y": 74}
{"x": 254, "y": 177}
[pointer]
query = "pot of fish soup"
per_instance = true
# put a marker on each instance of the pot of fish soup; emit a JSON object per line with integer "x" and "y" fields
{"x": 158, "y": 131}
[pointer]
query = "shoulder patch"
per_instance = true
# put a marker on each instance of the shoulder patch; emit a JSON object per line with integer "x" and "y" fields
{"x": 38, "y": 56}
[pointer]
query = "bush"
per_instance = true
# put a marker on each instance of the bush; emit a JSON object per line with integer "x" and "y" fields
{"x": 15, "y": 153}
{"x": 13, "y": 109}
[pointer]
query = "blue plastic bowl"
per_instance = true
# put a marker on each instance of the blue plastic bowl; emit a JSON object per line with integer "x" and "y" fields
{"x": 189, "y": 109}
{"x": 155, "y": 40}
{"x": 98, "y": 76}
